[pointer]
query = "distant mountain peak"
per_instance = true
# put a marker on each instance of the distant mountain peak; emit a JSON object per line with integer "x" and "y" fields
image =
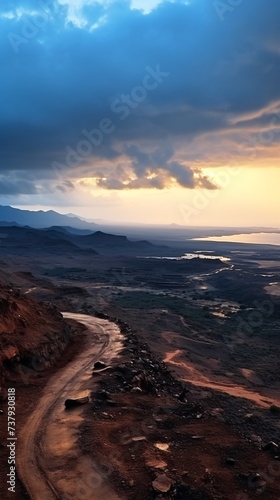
{"x": 43, "y": 219}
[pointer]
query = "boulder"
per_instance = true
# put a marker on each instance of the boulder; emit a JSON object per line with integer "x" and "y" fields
{"x": 271, "y": 446}
{"x": 230, "y": 461}
{"x": 103, "y": 394}
{"x": 136, "y": 389}
{"x": 70, "y": 403}
{"x": 182, "y": 396}
{"x": 99, "y": 365}
{"x": 144, "y": 381}
{"x": 162, "y": 483}
{"x": 255, "y": 481}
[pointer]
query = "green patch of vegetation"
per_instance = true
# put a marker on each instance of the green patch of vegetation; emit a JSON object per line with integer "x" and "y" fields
{"x": 61, "y": 271}
{"x": 176, "y": 305}
{"x": 146, "y": 300}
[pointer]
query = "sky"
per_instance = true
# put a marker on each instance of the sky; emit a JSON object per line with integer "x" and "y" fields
{"x": 142, "y": 111}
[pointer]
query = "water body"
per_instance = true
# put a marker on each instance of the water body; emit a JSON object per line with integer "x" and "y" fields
{"x": 197, "y": 255}
{"x": 253, "y": 238}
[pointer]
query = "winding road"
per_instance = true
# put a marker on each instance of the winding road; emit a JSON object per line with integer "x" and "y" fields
{"x": 49, "y": 462}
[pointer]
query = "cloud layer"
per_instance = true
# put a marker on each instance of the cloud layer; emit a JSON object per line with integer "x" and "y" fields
{"x": 133, "y": 99}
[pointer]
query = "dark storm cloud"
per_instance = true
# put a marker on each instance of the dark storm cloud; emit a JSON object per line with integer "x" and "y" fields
{"x": 205, "y": 76}
{"x": 149, "y": 170}
{"x": 11, "y": 185}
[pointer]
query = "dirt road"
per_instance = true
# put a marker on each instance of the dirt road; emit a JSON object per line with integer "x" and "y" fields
{"x": 48, "y": 460}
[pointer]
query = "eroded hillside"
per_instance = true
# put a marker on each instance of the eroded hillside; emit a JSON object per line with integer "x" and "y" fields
{"x": 32, "y": 334}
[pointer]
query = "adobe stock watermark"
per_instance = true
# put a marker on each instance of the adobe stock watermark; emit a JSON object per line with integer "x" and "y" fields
{"x": 249, "y": 150}
{"x": 122, "y": 107}
{"x": 261, "y": 311}
{"x": 92, "y": 477}
{"x": 255, "y": 319}
{"x": 202, "y": 199}
{"x": 262, "y": 479}
{"x": 31, "y": 25}
{"x": 264, "y": 137}
{"x": 222, "y": 7}
{"x": 95, "y": 476}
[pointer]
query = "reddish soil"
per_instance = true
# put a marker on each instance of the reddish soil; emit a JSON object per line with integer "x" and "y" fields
{"x": 34, "y": 319}
{"x": 24, "y": 323}
{"x": 205, "y": 459}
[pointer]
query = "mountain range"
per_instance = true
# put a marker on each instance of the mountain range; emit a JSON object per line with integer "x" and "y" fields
{"x": 41, "y": 219}
{"x": 25, "y": 240}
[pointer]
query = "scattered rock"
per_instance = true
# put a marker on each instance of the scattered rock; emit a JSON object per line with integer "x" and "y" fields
{"x": 162, "y": 446}
{"x": 136, "y": 439}
{"x": 255, "y": 481}
{"x": 99, "y": 365}
{"x": 182, "y": 396}
{"x": 10, "y": 354}
{"x": 185, "y": 476}
{"x": 70, "y": 403}
{"x": 104, "y": 394}
{"x": 111, "y": 402}
{"x": 248, "y": 416}
{"x": 136, "y": 389}
{"x": 230, "y": 461}
{"x": 156, "y": 463}
{"x": 162, "y": 483}
{"x": 207, "y": 478}
{"x": 144, "y": 381}
{"x": 271, "y": 446}
{"x": 121, "y": 368}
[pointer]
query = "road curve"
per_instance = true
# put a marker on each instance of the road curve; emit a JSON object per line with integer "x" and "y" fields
{"x": 48, "y": 460}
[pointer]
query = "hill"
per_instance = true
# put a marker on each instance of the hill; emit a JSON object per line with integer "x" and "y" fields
{"x": 16, "y": 240}
{"x": 41, "y": 219}
{"x": 32, "y": 335}
{"x": 26, "y": 241}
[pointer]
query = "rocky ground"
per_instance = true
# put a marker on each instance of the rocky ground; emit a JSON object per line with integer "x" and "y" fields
{"x": 153, "y": 439}
{"x": 152, "y": 436}
{"x": 35, "y": 342}
{"x": 31, "y": 332}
